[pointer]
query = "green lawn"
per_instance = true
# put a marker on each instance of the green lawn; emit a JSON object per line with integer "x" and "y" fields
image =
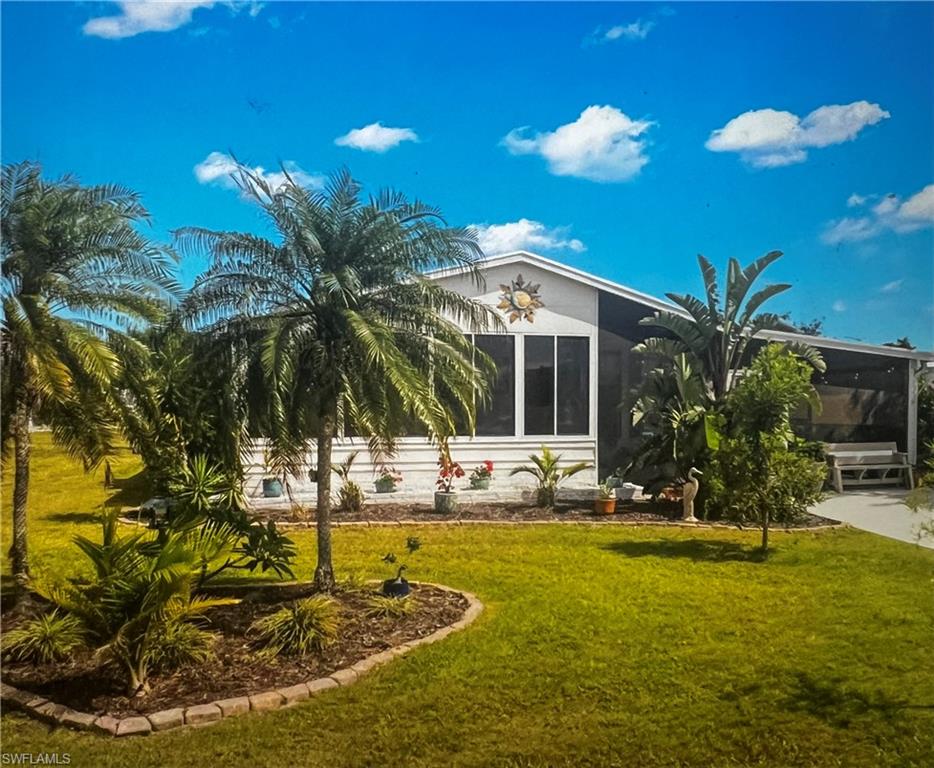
{"x": 600, "y": 646}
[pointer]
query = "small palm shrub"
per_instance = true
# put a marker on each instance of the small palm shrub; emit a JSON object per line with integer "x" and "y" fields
{"x": 141, "y": 585}
{"x": 350, "y": 497}
{"x": 304, "y": 626}
{"x": 549, "y": 475}
{"x": 179, "y": 643}
{"x": 385, "y": 607}
{"x": 46, "y": 638}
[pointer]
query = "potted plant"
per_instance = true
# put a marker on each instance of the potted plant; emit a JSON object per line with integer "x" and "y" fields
{"x": 272, "y": 482}
{"x": 481, "y": 476}
{"x": 605, "y": 503}
{"x": 399, "y": 586}
{"x": 448, "y": 471}
{"x": 387, "y": 479}
{"x": 546, "y": 470}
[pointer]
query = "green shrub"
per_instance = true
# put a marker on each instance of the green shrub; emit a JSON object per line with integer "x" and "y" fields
{"x": 299, "y": 628}
{"x": 140, "y": 585}
{"x": 350, "y": 497}
{"x": 383, "y": 606}
{"x": 179, "y": 643}
{"x": 733, "y": 489}
{"x": 46, "y": 638}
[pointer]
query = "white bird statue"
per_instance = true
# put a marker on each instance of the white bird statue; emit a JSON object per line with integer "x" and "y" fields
{"x": 688, "y": 492}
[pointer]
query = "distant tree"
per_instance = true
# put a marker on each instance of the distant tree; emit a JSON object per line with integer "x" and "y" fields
{"x": 349, "y": 331}
{"x": 901, "y": 343}
{"x": 76, "y": 274}
{"x": 813, "y": 327}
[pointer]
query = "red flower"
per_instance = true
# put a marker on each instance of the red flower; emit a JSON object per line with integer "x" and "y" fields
{"x": 489, "y": 466}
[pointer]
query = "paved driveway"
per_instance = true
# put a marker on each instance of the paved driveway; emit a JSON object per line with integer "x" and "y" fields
{"x": 877, "y": 511}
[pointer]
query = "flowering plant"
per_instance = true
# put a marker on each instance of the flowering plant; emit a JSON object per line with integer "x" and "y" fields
{"x": 388, "y": 474}
{"x": 482, "y": 472}
{"x": 448, "y": 471}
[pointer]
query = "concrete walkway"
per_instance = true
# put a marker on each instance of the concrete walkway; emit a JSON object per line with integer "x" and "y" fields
{"x": 877, "y": 511}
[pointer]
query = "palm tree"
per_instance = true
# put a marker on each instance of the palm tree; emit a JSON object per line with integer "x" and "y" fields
{"x": 350, "y": 334}
{"x": 76, "y": 273}
{"x": 716, "y": 336}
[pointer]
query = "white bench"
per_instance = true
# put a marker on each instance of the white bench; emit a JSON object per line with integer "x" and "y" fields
{"x": 867, "y": 464}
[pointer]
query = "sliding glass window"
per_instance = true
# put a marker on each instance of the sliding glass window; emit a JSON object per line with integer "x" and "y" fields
{"x": 498, "y": 417}
{"x": 573, "y": 385}
{"x": 539, "y": 385}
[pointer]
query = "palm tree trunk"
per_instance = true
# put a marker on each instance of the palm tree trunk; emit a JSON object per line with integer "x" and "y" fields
{"x": 324, "y": 570}
{"x": 22, "y": 447}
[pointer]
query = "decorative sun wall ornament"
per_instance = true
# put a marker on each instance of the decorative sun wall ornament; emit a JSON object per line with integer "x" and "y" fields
{"x": 520, "y": 300}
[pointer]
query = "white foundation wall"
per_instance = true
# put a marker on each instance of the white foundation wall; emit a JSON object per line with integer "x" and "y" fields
{"x": 417, "y": 461}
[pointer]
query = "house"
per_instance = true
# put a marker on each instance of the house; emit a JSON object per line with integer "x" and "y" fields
{"x": 565, "y": 364}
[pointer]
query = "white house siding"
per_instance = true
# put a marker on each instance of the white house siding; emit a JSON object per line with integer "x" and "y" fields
{"x": 417, "y": 461}
{"x": 570, "y": 309}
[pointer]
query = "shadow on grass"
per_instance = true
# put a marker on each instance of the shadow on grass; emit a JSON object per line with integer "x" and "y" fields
{"x": 839, "y": 704}
{"x": 74, "y": 517}
{"x": 130, "y": 491}
{"x": 699, "y": 550}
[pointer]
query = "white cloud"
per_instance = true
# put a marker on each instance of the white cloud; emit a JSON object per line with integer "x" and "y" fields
{"x": 767, "y": 138}
{"x": 137, "y": 16}
{"x": 890, "y": 213}
{"x": 219, "y": 169}
{"x": 636, "y": 30}
{"x": 603, "y": 144}
{"x": 375, "y": 137}
{"x": 918, "y": 208}
{"x": 839, "y": 306}
{"x": 525, "y": 235}
{"x": 854, "y": 201}
{"x": 892, "y": 287}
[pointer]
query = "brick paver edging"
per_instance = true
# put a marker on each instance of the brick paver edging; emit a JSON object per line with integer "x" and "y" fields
{"x": 215, "y": 711}
{"x": 609, "y": 520}
{"x": 595, "y": 523}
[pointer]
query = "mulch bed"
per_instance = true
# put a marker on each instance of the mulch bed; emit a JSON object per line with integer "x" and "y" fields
{"x": 626, "y": 511}
{"x": 237, "y": 669}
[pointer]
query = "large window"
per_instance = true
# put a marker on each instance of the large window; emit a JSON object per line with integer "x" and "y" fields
{"x": 498, "y": 417}
{"x": 573, "y": 385}
{"x": 539, "y": 385}
{"x": 570, "y": 389}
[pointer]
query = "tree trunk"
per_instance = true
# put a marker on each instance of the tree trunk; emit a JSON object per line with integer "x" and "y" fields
{"x": 22, "y": 441}
{"x": 324, "y": 570}
{"x": 765, "y": 531}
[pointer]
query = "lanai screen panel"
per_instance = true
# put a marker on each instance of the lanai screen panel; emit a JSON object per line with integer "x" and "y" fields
{"x": 864, "y": 398}
{"x": 619, "y": 371}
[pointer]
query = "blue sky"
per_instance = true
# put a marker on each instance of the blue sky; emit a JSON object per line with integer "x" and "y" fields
{"x": 621, "y": 138}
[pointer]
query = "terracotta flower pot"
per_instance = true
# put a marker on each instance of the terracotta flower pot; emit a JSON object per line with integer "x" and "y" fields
{"x": 604, "y": 506}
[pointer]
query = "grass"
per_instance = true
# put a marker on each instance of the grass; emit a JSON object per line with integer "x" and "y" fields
{"x": 599, "y": 647}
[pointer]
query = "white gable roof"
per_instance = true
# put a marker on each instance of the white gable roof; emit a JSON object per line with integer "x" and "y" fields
{"x": 556, "y": 267}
